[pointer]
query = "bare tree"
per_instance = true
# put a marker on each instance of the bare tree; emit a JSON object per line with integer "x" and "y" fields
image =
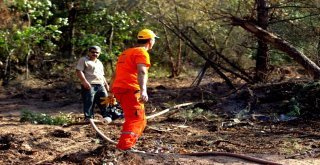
{"x": 72, "y": 15}
{"x": 174, "y": 56}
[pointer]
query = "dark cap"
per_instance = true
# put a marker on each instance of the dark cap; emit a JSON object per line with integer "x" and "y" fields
{"x": 95, "y": 47}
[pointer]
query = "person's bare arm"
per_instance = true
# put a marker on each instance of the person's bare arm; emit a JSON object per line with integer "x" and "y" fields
{"x": 113, "y": 76}
{"x": 106, "y": 85}
{"x": 142, "y": 80}
{"x": 111, "y": 83}
{"x": 83, "y": 80}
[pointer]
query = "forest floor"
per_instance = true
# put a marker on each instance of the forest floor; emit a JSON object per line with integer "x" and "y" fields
{"x": 219, "y": 121}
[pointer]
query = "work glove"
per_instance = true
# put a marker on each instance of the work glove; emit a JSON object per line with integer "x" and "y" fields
{"x": 110, "y": 100}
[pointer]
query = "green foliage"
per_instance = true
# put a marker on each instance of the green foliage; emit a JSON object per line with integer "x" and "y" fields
{"x": 4, "y": 44}
{"x": 305, "y": 101}
{"x": 41, "y": 27}
{"x": 156, "y": 72}
{"x": 41, "y": 118}
{"x": 38, "y": 11}
{"x": 85, "y": 40}
{"x": 278, "y": 58}
{"x": 111, "y": 31}
{"x": 294, "y": 108}
{"x": 37, "y": 36}
{"x": 311, "y": 86}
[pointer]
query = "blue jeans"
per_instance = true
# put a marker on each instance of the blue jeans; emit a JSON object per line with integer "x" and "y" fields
{"x": 91, "y": 98}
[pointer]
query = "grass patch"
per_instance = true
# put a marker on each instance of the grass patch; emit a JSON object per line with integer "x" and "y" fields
{"x": 41, "y": 118}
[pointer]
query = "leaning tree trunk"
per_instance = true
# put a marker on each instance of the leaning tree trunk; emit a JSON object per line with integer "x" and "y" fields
{"x": 280, "y": 44}
{"x": 262, "y": 58}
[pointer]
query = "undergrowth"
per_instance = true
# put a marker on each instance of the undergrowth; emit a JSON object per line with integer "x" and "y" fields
{"x": 193, "y": 114}
{"x": 306, "y": 100}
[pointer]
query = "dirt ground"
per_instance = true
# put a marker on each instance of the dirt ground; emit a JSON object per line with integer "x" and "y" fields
{"x": 216, "y": 122}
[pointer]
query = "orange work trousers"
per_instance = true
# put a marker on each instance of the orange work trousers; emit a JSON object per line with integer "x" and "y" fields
{"x": 134, "y": 115}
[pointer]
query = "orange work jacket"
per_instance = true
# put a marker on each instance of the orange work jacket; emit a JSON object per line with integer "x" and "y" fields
{"x": 126, "y": 68}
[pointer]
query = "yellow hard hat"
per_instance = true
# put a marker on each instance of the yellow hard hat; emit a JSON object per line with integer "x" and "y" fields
{"x": 146, "y": 34}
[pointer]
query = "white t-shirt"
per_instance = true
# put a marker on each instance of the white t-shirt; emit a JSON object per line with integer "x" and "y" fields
{"x": 93, "y": 70}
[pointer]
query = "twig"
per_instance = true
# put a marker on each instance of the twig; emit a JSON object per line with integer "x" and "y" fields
{"x": 168, "y": 109}
{"x": 244, "y": 157}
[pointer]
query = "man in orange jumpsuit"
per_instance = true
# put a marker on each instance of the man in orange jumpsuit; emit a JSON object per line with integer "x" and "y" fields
{"x": 129, "y": 86}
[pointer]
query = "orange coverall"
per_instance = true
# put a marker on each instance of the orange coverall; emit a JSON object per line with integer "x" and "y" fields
{"x": 126, "y": 88}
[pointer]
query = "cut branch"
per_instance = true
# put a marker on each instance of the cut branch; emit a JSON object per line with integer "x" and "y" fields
{"x": 168, "y": 109}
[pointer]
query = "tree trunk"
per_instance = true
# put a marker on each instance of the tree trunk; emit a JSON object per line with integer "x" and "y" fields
{"x": 27, "y": 63}
{"x": 318, "y": 51}
{"x": 262, "y": 58}
{"x": 170, "y": 53}
{"x": 72, "y": 12}
{"x": 7, "y": 71}
{"x": 178, "y": 59}
{"x": 111, "y": 47}
{"x": 280, "y": 44}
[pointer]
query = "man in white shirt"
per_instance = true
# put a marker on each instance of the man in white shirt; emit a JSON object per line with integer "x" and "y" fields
{"x": 90, "y": 71}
